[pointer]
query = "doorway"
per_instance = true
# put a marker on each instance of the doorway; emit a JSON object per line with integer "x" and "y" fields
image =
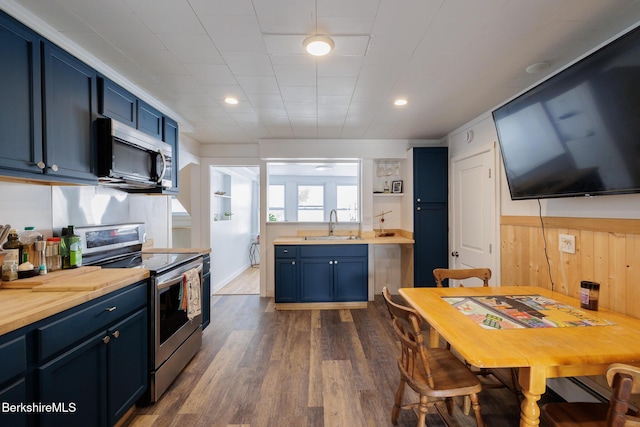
{"x": 235, "y": 230}
{"x": 473, "y": 214}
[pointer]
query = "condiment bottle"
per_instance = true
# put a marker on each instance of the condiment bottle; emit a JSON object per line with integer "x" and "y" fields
{"x": 27, "y": 239}
{"x": 12, "y": 247}
{"x": 72, "y": 255}
{"x": 52, "y": 253}
{"x": 9, "y": 270}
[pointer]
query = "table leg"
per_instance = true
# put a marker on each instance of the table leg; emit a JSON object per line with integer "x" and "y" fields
{"x": 533, "y": 382}
{"x": 434, "y": 338}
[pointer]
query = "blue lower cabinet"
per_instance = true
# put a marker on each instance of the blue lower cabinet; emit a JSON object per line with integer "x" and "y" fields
{"x": 75, "y": 382}
{"x": 321, "y": 273}
{"x": 127, "y": 364}
{"x": 14, "y": 394}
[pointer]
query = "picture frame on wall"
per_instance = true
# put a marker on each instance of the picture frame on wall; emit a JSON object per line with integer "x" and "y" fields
{"x": 396, "y": 186}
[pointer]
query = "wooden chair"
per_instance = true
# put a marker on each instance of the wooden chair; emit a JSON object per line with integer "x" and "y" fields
{"x": 434, "y": 374}
{"x": 624, "y": 381}
{"x": 441, "y": 274}
{"x": 484, "y": 274}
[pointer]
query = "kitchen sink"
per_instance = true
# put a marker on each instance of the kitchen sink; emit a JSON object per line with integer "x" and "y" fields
{"x": 333, "y": 238}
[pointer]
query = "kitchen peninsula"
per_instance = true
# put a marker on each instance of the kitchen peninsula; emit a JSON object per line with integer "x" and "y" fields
{"x": 318, "y": 271}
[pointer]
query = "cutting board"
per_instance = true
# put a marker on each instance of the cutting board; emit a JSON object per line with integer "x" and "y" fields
{"x": 96, "y": 280}
{"x": 30, "y": 282}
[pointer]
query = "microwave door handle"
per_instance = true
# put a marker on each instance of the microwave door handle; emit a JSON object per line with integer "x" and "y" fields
{"x": 164, "y": 167}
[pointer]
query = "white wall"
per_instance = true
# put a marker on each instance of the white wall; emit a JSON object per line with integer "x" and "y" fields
{"x": 231, "y": 239}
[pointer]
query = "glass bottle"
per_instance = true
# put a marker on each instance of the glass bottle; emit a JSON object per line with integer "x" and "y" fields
{"x": 12, "y": 246}
{"x": 71, "y": 249}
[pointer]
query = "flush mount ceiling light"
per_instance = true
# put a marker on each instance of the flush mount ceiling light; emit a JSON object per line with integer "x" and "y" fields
{"x": 318, "y": 45}
{"x": 400, "y": 102}
{"x": 231, "y": 100}
{"x": 538, "y": 67}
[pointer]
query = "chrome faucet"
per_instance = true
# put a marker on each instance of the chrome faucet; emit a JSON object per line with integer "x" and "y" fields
{"x": 332, "y": 224}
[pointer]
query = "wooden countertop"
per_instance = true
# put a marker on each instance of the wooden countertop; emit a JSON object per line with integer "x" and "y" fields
{"x": 202, "y": 251}
{"x": 299, "y": 240}
{"x": 62, "y": 290}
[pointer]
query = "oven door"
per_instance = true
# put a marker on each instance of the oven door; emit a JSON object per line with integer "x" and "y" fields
{"x": 171, "y": 327}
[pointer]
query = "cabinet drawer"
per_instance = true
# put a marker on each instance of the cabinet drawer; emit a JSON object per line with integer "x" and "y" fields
{"x": 309, "y": 251}
{"x": 286, "y": 251}
{"x": 88, "y": 318}
{"x": 14, "y": 358}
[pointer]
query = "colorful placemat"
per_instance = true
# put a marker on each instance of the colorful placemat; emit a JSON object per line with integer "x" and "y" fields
{"x": 522, "y": 311}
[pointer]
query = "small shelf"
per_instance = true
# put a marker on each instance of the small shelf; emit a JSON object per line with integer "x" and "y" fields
{"x": 387, "y": 194}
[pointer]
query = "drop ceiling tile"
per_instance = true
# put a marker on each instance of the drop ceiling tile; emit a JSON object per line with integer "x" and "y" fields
{"x": 336, "y": 86}
{"x": 248, "y": 64}
{"x": 266, "y": 100}
{"x": 340, "y": 66}
{"x": 154, "y": 14}
{"x": 295, "y": 74}
{"x": 192, "y": 48}
{"x": 236, "y": 33}
{"x": 258, "y": 84}
{"x": 286, "y": 16}
{"x": 301, "y": 110}
{"x": 222, "y": 7}
{"x": 298, "y": 94}
{"x": 212, "y": 74}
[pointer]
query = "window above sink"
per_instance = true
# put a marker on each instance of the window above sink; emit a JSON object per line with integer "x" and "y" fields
{"x": 308, "y": 191}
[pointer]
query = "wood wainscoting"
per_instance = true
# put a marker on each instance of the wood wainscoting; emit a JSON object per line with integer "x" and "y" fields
{"x": 607, "y": 252}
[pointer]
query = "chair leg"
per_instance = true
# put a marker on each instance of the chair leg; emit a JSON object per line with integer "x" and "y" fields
{"x": 397, "y": 404}
{"x": 476, "y": 409}
{"x": 450, "y": 405}
{"x": 466, "y": 405}
{"x": 422, "y": 411}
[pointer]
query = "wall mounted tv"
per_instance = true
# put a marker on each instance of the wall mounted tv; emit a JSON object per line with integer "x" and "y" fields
{"x": 577, "y": 133}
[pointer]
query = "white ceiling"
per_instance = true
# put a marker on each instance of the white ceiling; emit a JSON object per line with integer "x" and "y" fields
{"x": 452, "y": 59}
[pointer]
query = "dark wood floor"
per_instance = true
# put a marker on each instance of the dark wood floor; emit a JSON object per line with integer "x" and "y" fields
{"x": 261, "y": 367}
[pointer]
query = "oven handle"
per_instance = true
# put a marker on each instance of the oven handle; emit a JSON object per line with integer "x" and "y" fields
{"x": 174, "y": 280}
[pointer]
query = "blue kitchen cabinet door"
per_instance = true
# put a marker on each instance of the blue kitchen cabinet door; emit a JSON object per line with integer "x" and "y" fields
{"x": 21, "y": 146}
{"x": 430, "y": 175}
{"x": 170, "y": 136}
{"x": 149, "y": 119}
{"x": 316, "y": 279}
{"x": 14, "y": 393}
{"x": 70, "y": 107}
{"x": 287, "y": 280}
{"x": 78, "y": 377}
{"x": 127, "y": 360}
{"x": 116, "y": 102}
{"x": 350, "y": 279}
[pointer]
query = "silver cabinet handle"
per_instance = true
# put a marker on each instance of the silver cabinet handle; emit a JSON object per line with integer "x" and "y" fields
{"x": 418, "y": 200}
{"x": 418, "y": 208}
{"x": 41, "y": 164}
{"x": 293, "y": 263}
{"x": 111, "y": 308}
{"x": 286, "y": 251}
{"x": 335, "y": 261}
{"x": 54, "y": 168}
{"x": 331, "y": 262}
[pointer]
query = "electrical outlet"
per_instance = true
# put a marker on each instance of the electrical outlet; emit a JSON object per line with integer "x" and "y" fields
{"x": 567, "y": 243}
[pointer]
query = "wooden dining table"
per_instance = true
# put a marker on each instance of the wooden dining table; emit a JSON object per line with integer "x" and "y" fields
{"x": 538, "y": 352}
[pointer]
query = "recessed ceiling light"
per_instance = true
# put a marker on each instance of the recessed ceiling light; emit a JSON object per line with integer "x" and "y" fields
{"x": 230, "y": 100}
{"x": 318, "y": 45}
{"x": 400, "y": 102}
{"x": 538, "y": 67}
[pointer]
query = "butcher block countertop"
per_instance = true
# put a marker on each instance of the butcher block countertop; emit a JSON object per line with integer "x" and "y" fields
{"x": 370, "y": 238}
{"x": 26, "y": 301}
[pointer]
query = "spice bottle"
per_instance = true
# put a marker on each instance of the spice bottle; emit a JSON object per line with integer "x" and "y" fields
{"x": 12, "y": 246}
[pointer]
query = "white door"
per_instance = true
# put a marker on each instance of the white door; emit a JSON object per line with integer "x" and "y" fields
{"x": 473, "y": 213}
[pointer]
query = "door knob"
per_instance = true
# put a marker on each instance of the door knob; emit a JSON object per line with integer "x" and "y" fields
{"x": 455, "y": 254}
{"x": 106, "y": 339}
{"x": 418, "y": 208}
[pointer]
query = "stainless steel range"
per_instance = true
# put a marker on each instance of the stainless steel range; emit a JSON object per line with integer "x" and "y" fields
{"x": 174, "y": 338}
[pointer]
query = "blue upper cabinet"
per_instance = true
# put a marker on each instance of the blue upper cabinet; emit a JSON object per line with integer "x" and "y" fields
{"x": 70, "y": 106}
{"x": 116, "y": 102}
{"x": 149, "y": 119}
{"x": 47, "y": 109}
{"x": 170, "y": 136}
{"x": 20, "y": 103}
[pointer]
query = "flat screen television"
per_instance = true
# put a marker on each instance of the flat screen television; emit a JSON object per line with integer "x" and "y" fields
{"x": 577, "y": 133}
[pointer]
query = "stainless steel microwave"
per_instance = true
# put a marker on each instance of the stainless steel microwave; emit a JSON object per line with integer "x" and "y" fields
{"x": 130, "y": 159}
